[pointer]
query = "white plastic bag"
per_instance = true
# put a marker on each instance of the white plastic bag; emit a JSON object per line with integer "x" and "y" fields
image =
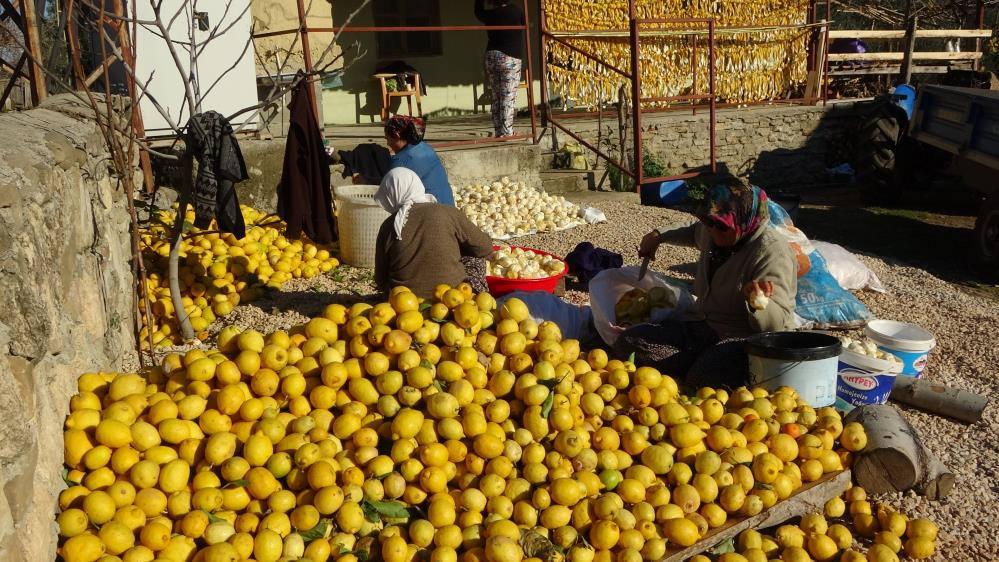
{"x": 573, "y": 320}
{"x": 607, "y": 288}
{"x": 847, "y": 269}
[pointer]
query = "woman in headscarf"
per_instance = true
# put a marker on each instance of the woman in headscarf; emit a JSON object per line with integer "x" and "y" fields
{"x": 504, "y": 60}
{"x": 745, "y": 284}
{"x": 421, "y": 244}
{"x": 404, "y": 136}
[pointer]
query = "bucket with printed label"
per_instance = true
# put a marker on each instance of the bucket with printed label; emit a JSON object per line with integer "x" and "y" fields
{"x": 908, "y": 342}
{"x": 864, "y": 380}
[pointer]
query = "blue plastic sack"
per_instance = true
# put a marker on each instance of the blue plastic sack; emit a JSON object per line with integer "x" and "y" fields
{"x": 821, "y": 302}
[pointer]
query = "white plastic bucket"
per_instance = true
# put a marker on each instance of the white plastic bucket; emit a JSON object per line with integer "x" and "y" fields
{"x": 864, "y": 380}
{"x": 908, "y": 342}
{"x": 805, "y": 361}
{"x": 359, "y": 217}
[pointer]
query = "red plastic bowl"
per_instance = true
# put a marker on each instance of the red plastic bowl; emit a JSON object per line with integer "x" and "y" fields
{"x": 499, "y": 286}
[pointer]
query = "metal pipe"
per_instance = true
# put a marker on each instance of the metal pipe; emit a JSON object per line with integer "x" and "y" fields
{"x": 636, "y": 94}
{"x": 586, "y": 54}
{"x": 303, "y": 30}
{"x": 530, "y": 75}
{"x": 598, "y": 152}
{"x": 714, "y": 100}
{"x": 542, "y": 30}
{"x": 693, "y": 68}
{"x": 667, "y": 99}
{"x": 379, "y": 29}
{"x": 685, "y": 176}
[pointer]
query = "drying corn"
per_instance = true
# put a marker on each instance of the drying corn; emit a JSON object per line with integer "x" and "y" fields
{"x": 751, "y": 66}
{"x": 507, "y": 209}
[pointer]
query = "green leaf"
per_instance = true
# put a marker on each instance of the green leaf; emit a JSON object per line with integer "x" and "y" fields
{"x": 370, "y": 513}
{"x": 212, "y": 518}
{"x": 546, "y": 406}
{"x": 724, "y": 547}
{"x": 65, "y": 478}
{"x": 389, "y": 509}
{"x": 362, "y": 555}
{"x": 426, "y": 364}
{"x": 317, "y": 532}
{"x": 383, "y": 476}
{"x": 631, "y": 358}
{"x": 344, "y": 550}
{"x": 237, "y": 484}
{"x": 188, "y": 226}
{"x": 425, "y": 306}
{"x": 440, "y": 385}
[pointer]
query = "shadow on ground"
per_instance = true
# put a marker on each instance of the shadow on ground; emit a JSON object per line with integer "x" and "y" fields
{"x": 941, "y": 244}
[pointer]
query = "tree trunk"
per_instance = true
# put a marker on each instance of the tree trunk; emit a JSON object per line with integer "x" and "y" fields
{"x": 939, "y": 399}
{"x": 895, "y": 459}
{"x": 187, "y": 188}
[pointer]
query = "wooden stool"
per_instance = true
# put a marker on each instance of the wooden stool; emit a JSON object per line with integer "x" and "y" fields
{"x": 409, "y": 94}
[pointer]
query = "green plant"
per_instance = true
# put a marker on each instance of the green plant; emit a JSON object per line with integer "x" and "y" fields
{"x": 653, "y": 166}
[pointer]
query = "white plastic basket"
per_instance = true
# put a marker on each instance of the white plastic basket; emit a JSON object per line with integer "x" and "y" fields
{"x": 359, "y": 218}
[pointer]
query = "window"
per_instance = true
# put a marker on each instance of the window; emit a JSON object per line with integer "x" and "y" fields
{"x": 408, "y": 13}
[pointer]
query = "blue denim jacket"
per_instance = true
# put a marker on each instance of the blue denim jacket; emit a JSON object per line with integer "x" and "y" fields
{"x": 422, "y": 159}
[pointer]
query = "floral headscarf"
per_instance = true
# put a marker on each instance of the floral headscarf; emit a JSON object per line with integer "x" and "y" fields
{"x": 409, "y": 129}
{"x": 736, "y": 206}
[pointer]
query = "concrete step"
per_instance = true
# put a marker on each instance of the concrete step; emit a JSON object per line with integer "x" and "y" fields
{"x": 568, "y": 181}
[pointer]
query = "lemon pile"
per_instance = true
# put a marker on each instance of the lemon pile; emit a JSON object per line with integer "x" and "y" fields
{"x": 836, "y": 534}
{"x": 443, "y": 429}
{"x": 218, "y": 271}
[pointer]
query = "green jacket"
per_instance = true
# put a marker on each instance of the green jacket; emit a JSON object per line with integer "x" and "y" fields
{"x": 766, "y": 256}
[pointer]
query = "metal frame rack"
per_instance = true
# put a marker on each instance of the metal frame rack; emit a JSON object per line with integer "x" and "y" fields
{"x": 698, "y": 100}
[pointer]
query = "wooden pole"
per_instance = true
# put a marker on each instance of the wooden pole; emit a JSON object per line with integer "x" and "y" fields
{"x": 138, "y": 125}
{"x": 910, "y": 48}
{"x": 39, "y": 91}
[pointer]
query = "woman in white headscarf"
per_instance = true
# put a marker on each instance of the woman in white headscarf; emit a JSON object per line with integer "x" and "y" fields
{"x": 421, "y": 244}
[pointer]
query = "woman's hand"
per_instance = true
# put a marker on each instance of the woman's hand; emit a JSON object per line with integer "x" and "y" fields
{"x": 649, "y": 245}
{"x": 753, "y": 287}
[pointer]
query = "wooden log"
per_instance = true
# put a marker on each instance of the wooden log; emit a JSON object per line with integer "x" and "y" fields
{"x": 897, "y": 57}
{"x": 939, "y": 399}
{"x": 895, "y": 459}
{"x": 900, "y": 34}
{"x": 811, "y": 498}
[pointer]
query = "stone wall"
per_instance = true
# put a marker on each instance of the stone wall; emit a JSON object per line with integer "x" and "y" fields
{"x": 65, "y": 304}
{"x": 785, "y": 147}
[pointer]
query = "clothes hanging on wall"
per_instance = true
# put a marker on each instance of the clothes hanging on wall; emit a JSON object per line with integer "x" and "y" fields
{"x": 304, "y": 199}
{"x": 211, "y": 142}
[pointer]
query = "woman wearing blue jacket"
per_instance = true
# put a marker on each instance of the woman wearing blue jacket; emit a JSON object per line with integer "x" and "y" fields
{"x": 404, "y": 136}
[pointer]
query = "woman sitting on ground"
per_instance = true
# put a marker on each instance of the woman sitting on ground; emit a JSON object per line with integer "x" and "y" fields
{"x": 404, "y": 136}
{"x": 742, "y": 259}
{"x": 421, "y": 244}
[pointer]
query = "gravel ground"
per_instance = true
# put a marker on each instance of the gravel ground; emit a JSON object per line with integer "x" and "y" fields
{"x": 964, "y": 325}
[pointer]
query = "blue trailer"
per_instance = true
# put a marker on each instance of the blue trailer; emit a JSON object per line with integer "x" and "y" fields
{"x": 960, "y": 123}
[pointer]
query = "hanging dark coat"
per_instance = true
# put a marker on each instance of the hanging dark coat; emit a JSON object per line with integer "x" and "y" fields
{"x": 304, "y": 198}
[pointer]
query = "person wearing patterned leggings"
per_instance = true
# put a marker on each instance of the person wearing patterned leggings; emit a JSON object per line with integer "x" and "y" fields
{"x": 504, "y": 60}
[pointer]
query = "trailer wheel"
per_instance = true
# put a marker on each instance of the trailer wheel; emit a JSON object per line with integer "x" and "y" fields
{"x": 987, "y": 236}
{"x": 878, "y": 153}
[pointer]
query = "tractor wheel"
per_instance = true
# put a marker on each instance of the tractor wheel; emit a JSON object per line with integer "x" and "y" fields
{"x": 878, "y": 155}
{"x": 987, "y": 237}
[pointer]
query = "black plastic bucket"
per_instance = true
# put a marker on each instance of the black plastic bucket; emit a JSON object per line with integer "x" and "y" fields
{"x": 805, "y": 361}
